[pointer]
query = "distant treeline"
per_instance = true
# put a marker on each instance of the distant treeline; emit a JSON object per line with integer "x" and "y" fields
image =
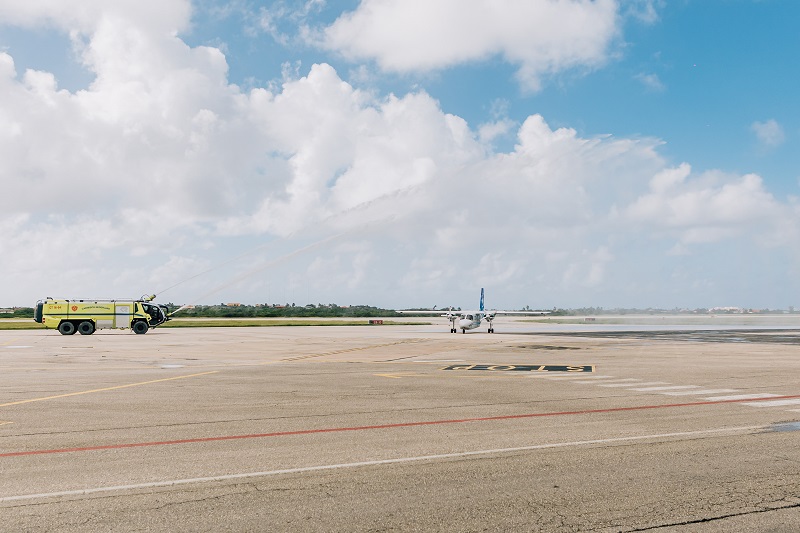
{"x": 19, "y": 312}
{"x": 289, "y": 310}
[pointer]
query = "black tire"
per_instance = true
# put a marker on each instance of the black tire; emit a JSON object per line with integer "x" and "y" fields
{"x": 66, "y": 328}
{"x": 86, "y": 327}
{"x": 140, "y": 327}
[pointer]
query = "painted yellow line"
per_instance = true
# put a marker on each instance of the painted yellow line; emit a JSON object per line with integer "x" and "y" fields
{"x": 106, "y": 389}
{"x": 8, "y": 342}
{"x": 337, "y": 352}
{"x": 4, "y": 422}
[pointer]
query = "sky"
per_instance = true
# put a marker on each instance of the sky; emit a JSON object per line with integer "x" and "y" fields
{"x": 401, "y": 153}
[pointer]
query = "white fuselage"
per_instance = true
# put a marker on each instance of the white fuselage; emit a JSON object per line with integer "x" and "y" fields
{"x": 470, "y": 320}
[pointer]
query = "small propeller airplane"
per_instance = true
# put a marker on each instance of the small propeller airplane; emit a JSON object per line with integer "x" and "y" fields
{"x": 472, "y": 319}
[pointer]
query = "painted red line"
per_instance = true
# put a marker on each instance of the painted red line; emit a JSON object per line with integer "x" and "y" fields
{"x": 385, "y": 426}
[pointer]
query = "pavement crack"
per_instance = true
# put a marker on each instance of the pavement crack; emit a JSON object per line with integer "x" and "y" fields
{"x": 716, "y": 518}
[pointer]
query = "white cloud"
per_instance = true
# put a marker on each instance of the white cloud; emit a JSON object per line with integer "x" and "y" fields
{"x": 769, "y": 133}
{"x": 651, "y": 81}
{"x": 541, "y": 37}
{"x": 645, "y": 11}
{"x": 709, "y": 208}
{"x": 161, "y": 167}
{"x": 86, "y": 15}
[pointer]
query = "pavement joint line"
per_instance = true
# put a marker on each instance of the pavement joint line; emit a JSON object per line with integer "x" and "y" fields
{"x": 379, "y": 462}
{"x": 19, "y": 402}
{"x": 632, "y": 384}
{"x": 666, "y": 388}
{"x": 629, "y": 380}
{"x": 397, "y": 425}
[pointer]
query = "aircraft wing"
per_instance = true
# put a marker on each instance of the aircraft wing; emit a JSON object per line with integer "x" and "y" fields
{"x": 522, "y": 312}
{"x": 442, "y": 312}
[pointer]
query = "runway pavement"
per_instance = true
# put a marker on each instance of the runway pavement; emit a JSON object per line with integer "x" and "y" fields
{"x": 400, "y": 428}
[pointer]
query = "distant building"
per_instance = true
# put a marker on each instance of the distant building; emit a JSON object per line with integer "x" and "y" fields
{"x": 233, "y": 305}
{"x": 726, "y": 310}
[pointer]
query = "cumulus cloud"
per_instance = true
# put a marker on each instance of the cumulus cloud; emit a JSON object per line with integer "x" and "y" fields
{"x": 769, "y": 133}
{"x": 85, "y": 16}
{"x": 161, "y": 167}
{"x": 541, "y": 37}
{"x": 708, "y": 208}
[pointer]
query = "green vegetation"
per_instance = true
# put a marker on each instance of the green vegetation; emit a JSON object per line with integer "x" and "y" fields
{"x": 257, "y": 322}
{"x": 19, "y": 312}
{"x": 19, "y": 324}
{"x": 285, "y": 311}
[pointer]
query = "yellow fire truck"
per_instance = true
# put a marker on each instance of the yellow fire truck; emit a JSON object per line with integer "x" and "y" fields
{"x": 87, "y": 316}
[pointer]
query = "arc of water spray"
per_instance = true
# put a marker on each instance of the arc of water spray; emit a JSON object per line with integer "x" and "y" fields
{"x": 262, "y": 266}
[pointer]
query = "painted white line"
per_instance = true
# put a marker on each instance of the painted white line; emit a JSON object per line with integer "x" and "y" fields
{"x": 635, "y": 384}
{"x": 774, "y": 403}
{"x": 9, "y": 347}
{"x": 671, "y": 387}
{"x": 742, "y": 397}
{"x": 174, "y": 482}
{"x": 703, "y": 391}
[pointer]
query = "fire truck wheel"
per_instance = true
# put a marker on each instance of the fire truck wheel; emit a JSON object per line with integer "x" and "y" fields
{"x": 85, "y": 328}
{"x": 66, "y": 328}
{"x": 140, "y": 327}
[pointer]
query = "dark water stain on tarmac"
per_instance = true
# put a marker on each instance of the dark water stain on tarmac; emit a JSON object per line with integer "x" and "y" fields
{"x": 785, "y": 426}
{"x": 547, "y": 347}
{"x": 768, "y": 336}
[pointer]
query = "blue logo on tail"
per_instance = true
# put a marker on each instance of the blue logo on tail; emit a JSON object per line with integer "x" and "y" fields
{"x": 481, "y": 309}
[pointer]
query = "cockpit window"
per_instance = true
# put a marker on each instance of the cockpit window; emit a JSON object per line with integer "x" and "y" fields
{"x": 469, "y": 317}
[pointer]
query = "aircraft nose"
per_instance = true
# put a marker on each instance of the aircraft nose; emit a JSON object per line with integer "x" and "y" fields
{"x": 464, "y": 323}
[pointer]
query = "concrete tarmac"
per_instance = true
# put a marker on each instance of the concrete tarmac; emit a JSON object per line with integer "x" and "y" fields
{"x": 400, "y": 428}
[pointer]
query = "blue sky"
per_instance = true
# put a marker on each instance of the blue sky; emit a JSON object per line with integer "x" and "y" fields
{"x": 611, "y": 153}
{"x": 697, "y": 77}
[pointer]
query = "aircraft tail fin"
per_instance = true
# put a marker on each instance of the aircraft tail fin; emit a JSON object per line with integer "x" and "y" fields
{"x": 481, "y": 308}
